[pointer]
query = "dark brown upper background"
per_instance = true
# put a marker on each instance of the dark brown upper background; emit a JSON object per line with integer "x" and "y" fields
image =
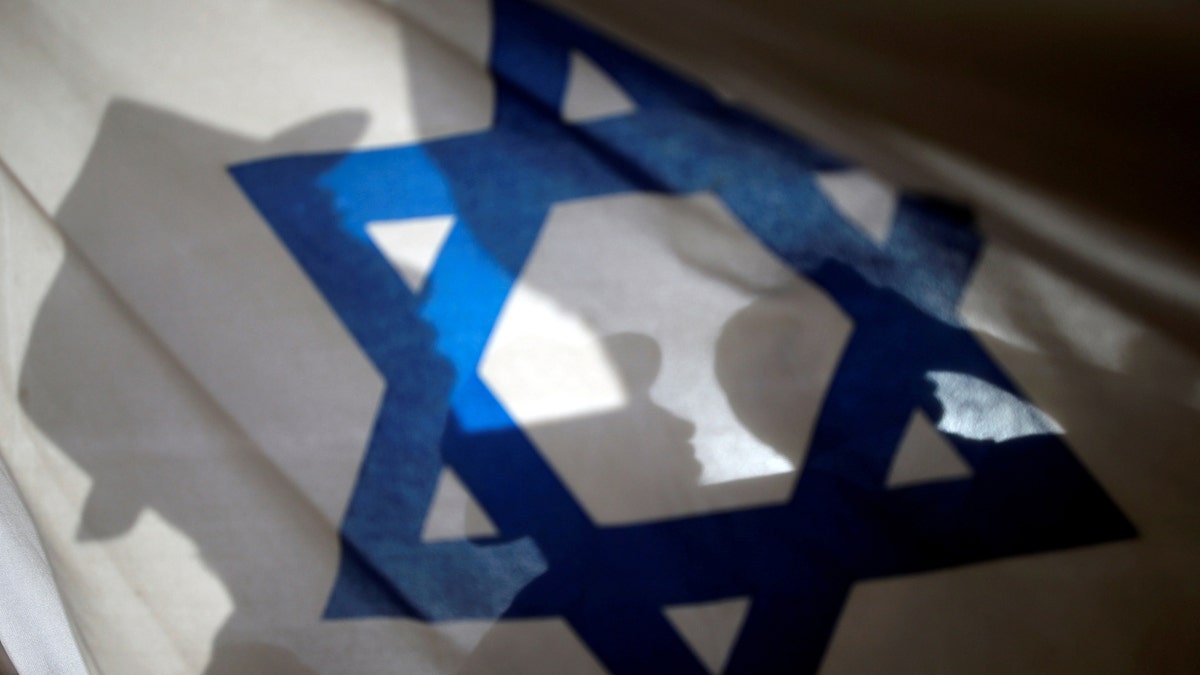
{"x": 1097, "y": 102}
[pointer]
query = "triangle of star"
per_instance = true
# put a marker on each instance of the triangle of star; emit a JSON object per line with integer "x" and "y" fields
{"x": 925, "y": 456}
{"x": 868, "y": 203}
{"x": 411, "y": 245}
{"x": 710, "y": 629}
{"x": 591, "y": 94}
{"x": 454, "y": 513}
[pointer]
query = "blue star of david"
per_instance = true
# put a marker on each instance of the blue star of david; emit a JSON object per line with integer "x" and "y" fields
{"x": 796, "y": 561}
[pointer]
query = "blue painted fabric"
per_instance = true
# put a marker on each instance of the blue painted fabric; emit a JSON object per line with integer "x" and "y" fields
{"x": 796, "y": 561}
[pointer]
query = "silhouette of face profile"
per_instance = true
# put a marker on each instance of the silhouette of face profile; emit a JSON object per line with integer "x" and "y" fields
{"x": 767, "y": 360}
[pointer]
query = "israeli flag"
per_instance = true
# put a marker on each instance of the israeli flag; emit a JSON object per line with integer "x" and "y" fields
{"x": 460, "y": 337}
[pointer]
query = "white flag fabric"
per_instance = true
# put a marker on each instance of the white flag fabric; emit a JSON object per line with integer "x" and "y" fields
{"x": 465, "y": 336}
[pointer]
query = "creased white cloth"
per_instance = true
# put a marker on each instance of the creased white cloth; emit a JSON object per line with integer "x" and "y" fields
{"x": 170, "y": 426}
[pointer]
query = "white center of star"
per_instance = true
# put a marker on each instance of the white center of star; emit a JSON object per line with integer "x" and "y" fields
{"x": 673, "y": 362}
